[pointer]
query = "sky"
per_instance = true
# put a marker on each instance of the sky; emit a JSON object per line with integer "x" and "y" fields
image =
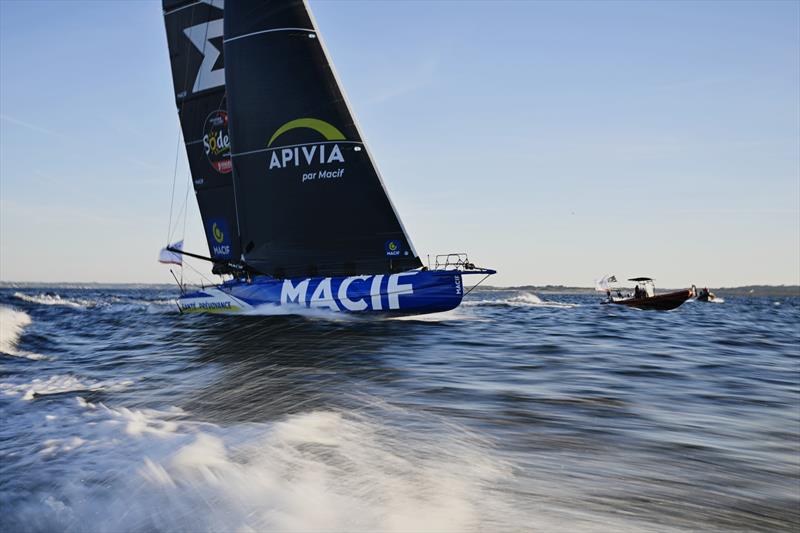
{"x": 554, "y": 141}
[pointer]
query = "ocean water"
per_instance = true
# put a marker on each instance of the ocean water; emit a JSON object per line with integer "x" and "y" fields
{"x": 515, "y": 412}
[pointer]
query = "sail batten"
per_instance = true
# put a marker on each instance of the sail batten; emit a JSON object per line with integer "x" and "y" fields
{"x": 310, "y": 30}
{"x": 310, "y": 198}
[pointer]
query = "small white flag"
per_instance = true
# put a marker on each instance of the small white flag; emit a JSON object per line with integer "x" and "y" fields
{"x": 165, "y": 256}
{"x": 601, "y": 285}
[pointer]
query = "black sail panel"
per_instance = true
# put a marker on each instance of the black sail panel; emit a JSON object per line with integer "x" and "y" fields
{"x": 194, "y": 35}
{"x": 310, "y": 200}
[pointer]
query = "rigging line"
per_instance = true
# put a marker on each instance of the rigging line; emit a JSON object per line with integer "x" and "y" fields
{"x": 189, "y": 265}
{"x": 186, "y": 204}
{"x": 180, "y": 111}
{"x": 476, "y": 285}
{"x": 185, "y": 214}
{"x": 174, "y": 178}
{"x": 236, "y": 210}
{"x": 173, "y": 230}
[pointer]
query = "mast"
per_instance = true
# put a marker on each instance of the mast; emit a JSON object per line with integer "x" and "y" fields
{"x": 310, "y": 199}
{"x": 194, "y": 36}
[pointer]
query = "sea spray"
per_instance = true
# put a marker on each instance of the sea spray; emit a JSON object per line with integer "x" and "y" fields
{"x": 522, "y": 299}
{"x": 53, "y": 299}
{"x": 12, "y": 324}
{"x": 314, "y": 471}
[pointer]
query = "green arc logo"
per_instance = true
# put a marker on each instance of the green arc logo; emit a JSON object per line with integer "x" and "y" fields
{"x": 218, "y": 235}
{"x": 329, "y": 131}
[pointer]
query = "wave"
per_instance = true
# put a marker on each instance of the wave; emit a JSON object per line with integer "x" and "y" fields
{"x": 315, "y": 471}
{"x": 54, "y": 299}
{"x": 716, "y": 300}
{"x": 12, "y": 323}
{"x": 150, "y": 307}
{"x": 108, "y": 305}
{"x": 525, "y": 299}
{"x": 58, "y": 384}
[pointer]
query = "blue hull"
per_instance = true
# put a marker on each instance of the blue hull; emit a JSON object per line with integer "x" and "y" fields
{"x": 404, "y": 293}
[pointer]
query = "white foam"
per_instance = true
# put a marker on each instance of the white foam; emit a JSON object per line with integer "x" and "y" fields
{"x": 150, "y": 307}
{"x": 322, "y": 313}
{"x": 12, "y": 322}
{"x": 317, "y": 471}
{"x": 124, "y": 469}
{"x": 58, "y": 384}
{"x": 107, "y": 305}
{"x": 525, "y": 299}
{"x": 54, "y": 299}
{"x": 716, "y": 300}
{"x": 459, "y": 313}
{"x": 56, "y": 446}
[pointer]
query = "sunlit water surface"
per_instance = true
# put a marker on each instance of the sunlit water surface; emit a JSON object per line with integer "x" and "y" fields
{"x": 511, "y": 413}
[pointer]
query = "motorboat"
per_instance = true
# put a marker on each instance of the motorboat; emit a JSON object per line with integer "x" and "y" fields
{"x": 644, "y": 295}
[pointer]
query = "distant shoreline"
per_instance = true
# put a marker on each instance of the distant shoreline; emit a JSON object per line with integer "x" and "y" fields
{"x": 745, "y": 290}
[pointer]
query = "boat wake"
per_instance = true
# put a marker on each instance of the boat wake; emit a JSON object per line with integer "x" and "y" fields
{"x": 54, "y": 299}
{"x": 151, "y": 307}
{"x": 317, "y": 313}
{"x": 714, "y": 301}
{"x": 458, "y": 314}
{"x": 12, "y": 323}
{"x": 316, "y": 471}
{"x": 301, "y": 311}
{"x": 525, "y": 299}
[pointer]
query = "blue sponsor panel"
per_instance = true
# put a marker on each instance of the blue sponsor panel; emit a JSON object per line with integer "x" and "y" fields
{"x": 219, "y": 238}
{"x": 401, "y": 293}
{"x": 393, "y": 248}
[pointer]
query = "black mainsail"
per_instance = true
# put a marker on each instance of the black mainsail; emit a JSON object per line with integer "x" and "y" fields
{"x": 194, "y": 35}
{"x": 310, "y": 200}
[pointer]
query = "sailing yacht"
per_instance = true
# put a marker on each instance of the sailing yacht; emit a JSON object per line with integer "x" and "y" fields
{"x": 294, "y": 209}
